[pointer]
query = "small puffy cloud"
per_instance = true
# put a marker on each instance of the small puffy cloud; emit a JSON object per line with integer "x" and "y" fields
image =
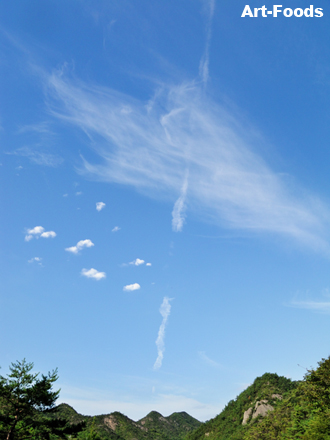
{"x": 36, "y": 230}
{"x": 137, "y": 262}
{"x": 93, "y": 273}
{"x": 48, "y": 234}
{"x": 79, "y": 246}
{"x": 100, "y": 206}
{"x": 39, "y": 231}
{"x": 37, "y": 259}
{"x": 116, "y": 229}
{"x": 78, "y": 193}
{"x": 148, "y": 264}
{"x": 131, "y": 287}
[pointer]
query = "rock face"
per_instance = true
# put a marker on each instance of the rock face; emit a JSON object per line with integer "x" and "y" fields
{"x": 247, "y": 415}
{"x": 261, "y": 408}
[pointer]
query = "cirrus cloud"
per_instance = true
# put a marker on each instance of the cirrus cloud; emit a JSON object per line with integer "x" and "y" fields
{"x": 182, "y": 131}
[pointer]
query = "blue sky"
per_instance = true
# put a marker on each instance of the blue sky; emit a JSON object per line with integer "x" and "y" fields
{"x": 165, "y": 198}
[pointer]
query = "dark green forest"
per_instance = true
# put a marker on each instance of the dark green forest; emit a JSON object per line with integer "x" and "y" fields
{"x": 272, "y": 408}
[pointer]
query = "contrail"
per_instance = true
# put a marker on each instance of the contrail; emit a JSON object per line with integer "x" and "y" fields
{"x": 178, "y": 216}
{"x": 204, "y": 62}
{"x": 165, "y": 310}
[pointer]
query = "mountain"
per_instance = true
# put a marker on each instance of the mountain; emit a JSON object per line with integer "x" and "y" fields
{"x": 250, "y": 406}
{"x": 275, "y": 408}
{"x": 116, "y": 426}
{"x": 272, "y": 408}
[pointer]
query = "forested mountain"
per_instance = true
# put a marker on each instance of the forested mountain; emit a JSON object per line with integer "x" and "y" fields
{"x": 275, "y": 408}
{"x": 116, "y": 426}
{"x": 257, "y": 400}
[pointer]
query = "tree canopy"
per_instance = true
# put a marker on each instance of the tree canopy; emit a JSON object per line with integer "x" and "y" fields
{"x": 25, "y": 399}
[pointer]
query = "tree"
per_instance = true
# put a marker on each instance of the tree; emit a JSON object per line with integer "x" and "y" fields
{"x": 25, "y": 399}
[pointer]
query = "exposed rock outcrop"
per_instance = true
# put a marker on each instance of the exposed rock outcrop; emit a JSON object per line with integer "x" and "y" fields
{"x": 261, "y": 408}
{"x": 247, "y": 415}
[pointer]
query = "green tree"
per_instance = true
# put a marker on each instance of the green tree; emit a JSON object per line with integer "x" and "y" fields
{"x": 25, "y": 399}
{"x": 89, "y": 433}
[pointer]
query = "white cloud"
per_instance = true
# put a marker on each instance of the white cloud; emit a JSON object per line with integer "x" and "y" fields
{"x": 39, "y": 231}
{"x": 93, "y": 273}
{"x": 148, "y": 264}
{"x": 65, "y": 195}
{"x": 315, "y": 306}
{"x": 48, "y": 234}
{"x": 36, "y": 230}
{"x": 38, "y": 156}
{"x": 131, "y": 287}
{"x": 79, "y": 246}
{"x": 37, "y": 259}
{"x": 78, "y": 193}
{"x": 137, "y": 262}
{"x": 100, "y": 206}
{"x": 205, "y": 60}
{"x": 178, "y": 217}
{"x": 152, "y": 147}
{"x": 165, "y": 310}
{"x": 116, "y": 229}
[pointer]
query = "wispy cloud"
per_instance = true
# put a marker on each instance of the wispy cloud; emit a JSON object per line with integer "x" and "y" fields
{"x": 35, "y": 259}
{"x": 79, "y": 246}
{"x": 93, "y": 273}
{"x": 205, "y": 60}
{"x": 314, "y": 306}
{"x": 148, "y": 264}
{"x": 115, "y": 229}
{"x": 207, "y": 359}
{"x": 38, "y": 156}
{"x": 100, "y": 206}
{"x": 178, "y": 217}
{"x": 38, "y": 231}
{"x": 137, "y": 262}
{"x": 40, "y": 128}
{"x": 131, "y": 287}
{"x": 165, "y": 310}
{"x": 151, "y": 148}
